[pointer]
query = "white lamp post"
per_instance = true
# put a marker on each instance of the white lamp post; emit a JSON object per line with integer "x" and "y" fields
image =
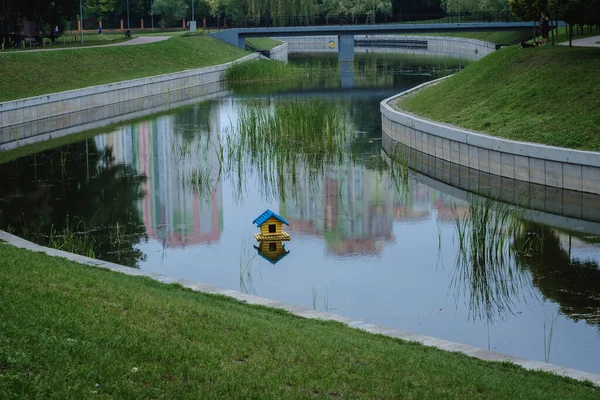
{"x": 80, "y": 19}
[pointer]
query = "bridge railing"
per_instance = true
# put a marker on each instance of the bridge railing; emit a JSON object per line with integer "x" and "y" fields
{"x": 309, "y": 20}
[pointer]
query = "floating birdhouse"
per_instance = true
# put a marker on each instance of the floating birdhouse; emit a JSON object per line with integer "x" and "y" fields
{"x": 271, "y": 227}
{"x": 272, "y": 251}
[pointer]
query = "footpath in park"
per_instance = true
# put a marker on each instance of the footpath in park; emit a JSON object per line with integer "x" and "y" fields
{"x": 137, "y": 40}
{"x": 591, "y": 41}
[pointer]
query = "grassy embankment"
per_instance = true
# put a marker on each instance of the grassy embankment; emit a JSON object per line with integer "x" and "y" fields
{"x": 502, "y": 37}
{"x": 262, "y": 43}
{"x": 508, "y": 37}
{"x": 270, "y": 71}
{"x": 26, "y": 74}
{"x": 547, "y": 95}
{"x": 72, "y": 331}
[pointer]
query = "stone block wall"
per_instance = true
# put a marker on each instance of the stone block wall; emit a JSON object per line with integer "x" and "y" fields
{"x": 21, "y": 120}
{"x": 448, "y": 46}
{"x": 279, "y": 53}
{"x": 529, "y": 162}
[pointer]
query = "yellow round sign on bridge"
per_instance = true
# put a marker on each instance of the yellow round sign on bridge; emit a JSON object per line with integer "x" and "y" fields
{"x": 331, "y": 44}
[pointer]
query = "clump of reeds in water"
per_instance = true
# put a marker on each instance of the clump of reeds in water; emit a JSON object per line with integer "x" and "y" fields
{"x": 275, "y": 141}
{"x": 77, "y": 240}
{"x": 273, "y": 71}
{"x": 485, "y": 265}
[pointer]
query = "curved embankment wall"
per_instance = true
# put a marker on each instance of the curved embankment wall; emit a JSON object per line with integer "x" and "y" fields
{"x": 528, "y": 162}
{"x": 278, "y": 53}
{"x": 38, "y": 118}
{"x": 449, "y": 46}
{"x": 564, "y": 209}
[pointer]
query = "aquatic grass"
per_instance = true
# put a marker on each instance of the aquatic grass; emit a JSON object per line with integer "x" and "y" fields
{"x": 265, "y": 71}
{"x": 247, "y": 256}
{"x": 485, "y": 266}
{"x": 399, "y": 171}
{"x": 548, "y": 338}
{"x": 77, "y": 239}
{"x": 278, "y": 141}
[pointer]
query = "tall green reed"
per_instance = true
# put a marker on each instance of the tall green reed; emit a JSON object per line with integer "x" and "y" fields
{"x": 485, "y": 265}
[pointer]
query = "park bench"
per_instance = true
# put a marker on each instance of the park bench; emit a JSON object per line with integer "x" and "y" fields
{"x": 32, "y": 42}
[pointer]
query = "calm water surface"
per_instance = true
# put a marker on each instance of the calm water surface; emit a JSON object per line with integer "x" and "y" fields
{"x": 173, "y": 194}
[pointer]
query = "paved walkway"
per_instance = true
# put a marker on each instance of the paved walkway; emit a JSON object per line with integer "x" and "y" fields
{"x": 585, "y": 42}
{"x": 137, "y": 40}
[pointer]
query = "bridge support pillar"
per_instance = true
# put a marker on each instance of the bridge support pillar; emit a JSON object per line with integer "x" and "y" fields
{"x": 241, "y": 42}
{"x": 347, "y": 75}
{"x": 346, "y": 48}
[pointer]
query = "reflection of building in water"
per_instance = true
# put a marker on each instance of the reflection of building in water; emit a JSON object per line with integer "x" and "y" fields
{"x": 417, "y": 202}
{"x": 350, "y": 206}
{"x": 168, "y": 152}
{"x": 415, "y": 205}
{"x": 585, "y": 249}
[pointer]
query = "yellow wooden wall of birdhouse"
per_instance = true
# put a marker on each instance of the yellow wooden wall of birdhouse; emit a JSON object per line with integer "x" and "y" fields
{"x": 267, "y": 227}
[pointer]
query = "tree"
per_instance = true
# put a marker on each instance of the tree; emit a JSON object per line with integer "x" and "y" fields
{"x": 474, "y": 5}
{"x": 169, "y": 10}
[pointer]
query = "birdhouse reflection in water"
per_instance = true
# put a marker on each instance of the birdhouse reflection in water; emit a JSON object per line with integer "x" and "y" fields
{"x": 272, "y": 251}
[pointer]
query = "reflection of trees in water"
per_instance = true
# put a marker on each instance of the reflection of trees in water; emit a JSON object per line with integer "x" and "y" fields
{"x": 485, "y": 271}
{"x": 572, "y": 283}
{"x": 70, "y": 187}
{"x": 498, "y": 251}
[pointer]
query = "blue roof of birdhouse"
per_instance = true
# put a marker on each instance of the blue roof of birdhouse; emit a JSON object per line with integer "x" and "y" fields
{"x": 266, "y": 215}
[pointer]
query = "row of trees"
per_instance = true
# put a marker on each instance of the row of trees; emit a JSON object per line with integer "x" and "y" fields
{"x": 46, "y": 14}
{"x": 574, "y": 12}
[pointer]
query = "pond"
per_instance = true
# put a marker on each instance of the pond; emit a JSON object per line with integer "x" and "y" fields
{"x": 372, "y": 236}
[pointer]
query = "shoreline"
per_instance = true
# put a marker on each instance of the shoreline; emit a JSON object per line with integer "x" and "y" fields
{"x": 307, "y": 313}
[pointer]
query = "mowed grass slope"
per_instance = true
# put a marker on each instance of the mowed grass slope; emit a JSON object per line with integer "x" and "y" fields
{"x": 26, "y": 74}
{"x": 72, "y": 331}
{"x": 263, "y": 43}
{"x": 500, "y": 37}
{"x": 547, "y": 95}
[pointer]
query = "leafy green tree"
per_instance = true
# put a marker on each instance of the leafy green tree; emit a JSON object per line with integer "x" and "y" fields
{"x": 475, "y": 5}
{"x": 169, "y": 10}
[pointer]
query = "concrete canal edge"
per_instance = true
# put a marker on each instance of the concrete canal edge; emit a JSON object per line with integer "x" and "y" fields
{"x": 310, "y": 313}
{"x": 523, "y": 161}
{"x": 64, "y": 109}
{"x": 410, "y": 44}
{"x": 278, "y": 53}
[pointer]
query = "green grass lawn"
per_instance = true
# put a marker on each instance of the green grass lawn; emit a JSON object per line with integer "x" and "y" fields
{"x": 547, "y": 95}
{"x": 73, "y": 331}
{"x": 262, "y": 43}
{"x": 502, "y": 37}
{"x": 26, "y": 74}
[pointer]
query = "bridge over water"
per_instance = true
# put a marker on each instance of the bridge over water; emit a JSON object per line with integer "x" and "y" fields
{"x": 345, "y": 33}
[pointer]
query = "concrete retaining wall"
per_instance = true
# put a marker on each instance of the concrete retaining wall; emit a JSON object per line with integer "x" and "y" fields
{"x": 279, "y": 53}
{"x": 21, "y": 120}
{"x": 460, "y": 47}
{"x": 564, "y": 209}
{"x": 545, "y": 165}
